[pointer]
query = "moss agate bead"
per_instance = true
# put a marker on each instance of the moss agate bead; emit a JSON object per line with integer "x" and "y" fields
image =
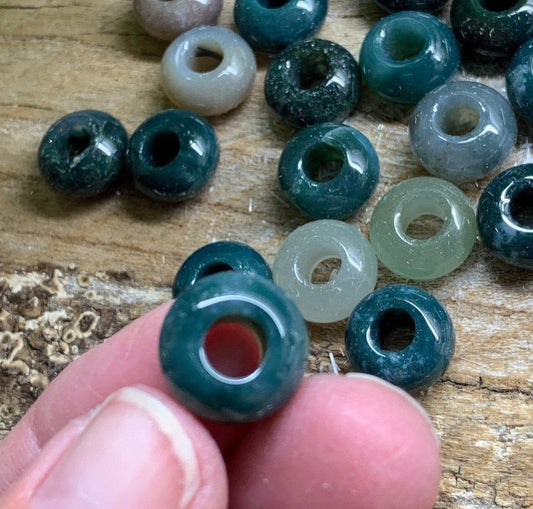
{"x": 462, "y": 131}
{"x": 414, "y": 365}
{"x": 519, "y": 79}
{"x": 272, "y": 25}
{"x": 172, "y": 155}
{"x": 219, "y": 257}
{"x": 427, "y": 258}
{"x": 242, "y": 300}
{"x": 505, "y": 216}
{"x": 407, "y": 54}
{"x": 82, "y": 153}
{"x": 492, "y": 27}
{"x": 410, "y": 5}
{"x": 329, "y": 170}
{"x": 311, "y": 82}
{"x": 310, "y": 245}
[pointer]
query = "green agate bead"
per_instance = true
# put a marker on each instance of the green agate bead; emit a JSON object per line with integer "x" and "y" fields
{"x": 519, "y": 79}
{"x": 427, "y": 258}
{"x": 410, "y": 5}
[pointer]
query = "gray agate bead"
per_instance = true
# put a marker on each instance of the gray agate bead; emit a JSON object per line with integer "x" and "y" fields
{"x": 462, "y": 131}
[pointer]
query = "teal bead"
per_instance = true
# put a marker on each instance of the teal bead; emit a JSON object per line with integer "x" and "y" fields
{"x": 407, "y": 54}
{"x": 410, "y": 5}
{"x": 329, "y": 170}
{"x": 505, "y": 216}
{"x": 82, "y": 153}
{"x": 219, "y": 257}
{"x": 256, "y": 303}
{"x": 272, "y": 25}
{"x": 519, "y": 80}
{"x": 427, "y": 258}
{"x": 311, "y": 82}
{"x": 492, "y": 27}
{"x": 172, "y": 155}
{"x": 415, "y": 364}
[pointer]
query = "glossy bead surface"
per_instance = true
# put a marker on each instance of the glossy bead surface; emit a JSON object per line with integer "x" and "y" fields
{"x": 309, "y": 245}
{"x": 505, "y": 216}
{"x": 238, "y": 298}
{"x": 219, "y": 257}
{"x": 410, "y": 5}
{"x": 208, "y": 70}
{"x": 421, "y": 362}
{"x": 82, "y": 153}
{"x": 519, "y": 80}
{"x": 172, "y": 155}
{"x": 329, "y": 170}
{"x": 170, "y": 18}
{"x": 428, "y": 258}
{"x": 272, "y": 25}
{"x": 407, "y": 54}
{"x": 492, "y": 27}
{"x": 462, "y": 131}
{"x": 311, "y": 82}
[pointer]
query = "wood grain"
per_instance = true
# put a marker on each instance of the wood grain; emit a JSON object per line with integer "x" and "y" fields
{"x": 72, "y": 273}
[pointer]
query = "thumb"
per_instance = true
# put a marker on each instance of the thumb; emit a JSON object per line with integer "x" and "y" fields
{"x": 138, "y": 449}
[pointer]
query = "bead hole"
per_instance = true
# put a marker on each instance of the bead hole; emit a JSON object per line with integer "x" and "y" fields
{"x": 215, "y": 268}
{"x": 312, "y": 71}
{"x": 78, "y": 141}
{"x": 522, "y": 207}
{"x": 234, "y": 347}
{"x": 323, "y": 162}
{"x": 273, "y": 4}
{"x": 326, "y": 271}
{"x": 396, "y": 330}
{"x": 163, "y": 148}
{"x": 458, "y": 121}
{"x": 403, "y": 43}
{"x": 205, "y": 60}
{"x": 498, "y": 5}
{"x": 424, "y": 227}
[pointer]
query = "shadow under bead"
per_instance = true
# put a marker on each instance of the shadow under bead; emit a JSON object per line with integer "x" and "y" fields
{"x": 410, "y": 5}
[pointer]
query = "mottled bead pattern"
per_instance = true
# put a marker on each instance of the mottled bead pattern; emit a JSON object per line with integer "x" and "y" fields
{"x": 519, "y": 80}
{"x": 413, "y": 366}
{"x": 407, "y": 54}
{"x": 411, "y": 5}
{"x": 83, "y": 153}
{"x": 312, "y": 82}
{"x": 462, "y": 131}
{"x": 505, "y": 216}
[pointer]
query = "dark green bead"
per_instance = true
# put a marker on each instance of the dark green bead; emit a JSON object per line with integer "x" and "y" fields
{"x": 492, "y": 27}
{"x": 272, "y": 25}
{"x": 519, "y": 81}
{"x": 401, "y": 308}
{"x": 329, "y": 170}
{"x": 82, "y": 153}
{"x": 505, "y": 216}
{"x": 237, "y": 298}
{"x": 407, "y": 54}
{"x": 311, "y": 82}
{"x": 410, "y": 5}
{"x": 172, "y": 155}
{"x": 219, "y": 257}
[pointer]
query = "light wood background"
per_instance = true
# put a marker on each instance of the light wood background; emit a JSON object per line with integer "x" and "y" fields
{"x": 73, "y": 272}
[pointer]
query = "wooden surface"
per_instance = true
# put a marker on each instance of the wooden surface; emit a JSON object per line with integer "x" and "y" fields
{"x": 72, "y": 273}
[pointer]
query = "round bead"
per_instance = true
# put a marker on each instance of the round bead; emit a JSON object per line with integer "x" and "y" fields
{"x": 83, "y": 152}
{"x": 219, "y": 257}
{"x": 309, "y": 245}
{"x": 407, "y": 54}
{"x": 329, "y": 170}
{"x": 397, "y": 308}
{"x": 172, "y": 155}
{"x": 271, "y": 25}
{"x": 428, "y": 258}
{"x": 505, "y": 216}
{"x": 492, "y": 27}
{"x": 208, "y": 70}
{"x": 519, "y": 79}
{"x": 410, "y": 5}
{"x": 169, "y": 18}
{"x": 259, "y": 305}
{"x": 312, "y": 82}
{"x": 462, "y": 131}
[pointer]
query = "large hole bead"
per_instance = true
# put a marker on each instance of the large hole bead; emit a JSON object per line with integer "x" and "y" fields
{"x": 505, "y": 216}
{"x": 423, "y": 258}
{"x": 310, "y": 245}
{"x": 410, "y": 5}
{"x": 402, "y": 334}
{"x": 201, "y": 315}
{"x": 208, "y": 70}
{"x": 407, "y": 54}
{"x": 519, "y": 80}
{"x": 172, "y": 155}
{"x": 462, "y": 131}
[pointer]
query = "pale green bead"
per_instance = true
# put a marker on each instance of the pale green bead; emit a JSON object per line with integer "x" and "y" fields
{"x": 428, "y": 258}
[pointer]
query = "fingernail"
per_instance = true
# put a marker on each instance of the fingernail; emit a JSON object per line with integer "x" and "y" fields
{"x": 133, "y": 453}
